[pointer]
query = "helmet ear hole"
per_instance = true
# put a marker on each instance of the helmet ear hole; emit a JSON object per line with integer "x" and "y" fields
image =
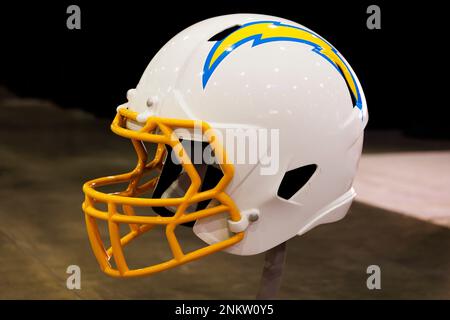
{"x": 294, "y": 180}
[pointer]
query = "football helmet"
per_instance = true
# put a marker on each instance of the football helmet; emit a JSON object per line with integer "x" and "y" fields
{"x": 248, "y": 129}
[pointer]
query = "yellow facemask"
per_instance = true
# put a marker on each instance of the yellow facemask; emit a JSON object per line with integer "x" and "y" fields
{"x": 121, "y": 205}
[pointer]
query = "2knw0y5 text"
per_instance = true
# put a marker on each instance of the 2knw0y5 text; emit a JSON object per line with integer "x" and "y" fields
{"x": 234, "y": 309}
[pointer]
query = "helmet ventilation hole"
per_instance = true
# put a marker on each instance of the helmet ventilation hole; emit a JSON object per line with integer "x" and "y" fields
{"x": 294, "y": 180}
{"x": 225, "y": 33}
{"x": 352, "y": 96}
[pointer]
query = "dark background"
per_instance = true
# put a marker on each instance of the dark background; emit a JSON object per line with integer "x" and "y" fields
{"x": 400, "y": 66}
{"x": 48, "y": 152}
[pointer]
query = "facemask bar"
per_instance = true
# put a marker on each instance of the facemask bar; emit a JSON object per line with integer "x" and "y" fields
{"x": 128, "y": 199}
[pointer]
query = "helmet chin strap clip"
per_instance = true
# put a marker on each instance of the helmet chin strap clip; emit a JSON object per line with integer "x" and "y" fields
{"x": 143, "y": 117}
{"x": 247, "y": 217}
{"x": 122, "y": 106}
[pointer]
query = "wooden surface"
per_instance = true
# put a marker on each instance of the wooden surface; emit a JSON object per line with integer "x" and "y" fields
{"x": 416, "y": 184}
{"x": 46, "y": 154}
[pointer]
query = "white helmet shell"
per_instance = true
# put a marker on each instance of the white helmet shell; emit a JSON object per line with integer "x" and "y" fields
{"x": 272, "y": 82}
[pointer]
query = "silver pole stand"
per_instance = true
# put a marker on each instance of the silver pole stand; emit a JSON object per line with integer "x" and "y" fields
{"x": 272, "y": 273}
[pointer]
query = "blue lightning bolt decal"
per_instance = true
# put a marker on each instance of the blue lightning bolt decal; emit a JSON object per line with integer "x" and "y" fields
{"x": 267, "y": 31}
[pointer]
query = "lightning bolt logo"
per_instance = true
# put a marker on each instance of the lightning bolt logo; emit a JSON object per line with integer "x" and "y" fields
{"x": 267, "y": 31}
